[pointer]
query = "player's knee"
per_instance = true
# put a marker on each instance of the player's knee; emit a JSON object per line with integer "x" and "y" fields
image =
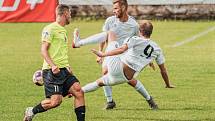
{"x": 132, "y": 82}
{"x": 76, "y": 87}
{"x": 77, "y": 91}
{"x": 55, "y": 103}
{"x": 79, "y": 94}
{"x": 100, "y": 82}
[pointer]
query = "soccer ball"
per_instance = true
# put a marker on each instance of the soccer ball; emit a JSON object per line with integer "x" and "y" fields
{"x": 38, "y": 78}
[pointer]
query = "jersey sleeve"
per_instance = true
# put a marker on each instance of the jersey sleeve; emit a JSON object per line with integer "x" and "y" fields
{"x": 160, "y": 58}
{"x": 131, "y": 41}
{"x": 137, "y": 30}
{"x": 106, "y": 26}
{"x": 47, "y": 35}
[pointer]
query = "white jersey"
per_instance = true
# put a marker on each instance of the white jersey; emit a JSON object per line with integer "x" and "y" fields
{"x": 123, "y": 30}
{"x": 141, "y": 52}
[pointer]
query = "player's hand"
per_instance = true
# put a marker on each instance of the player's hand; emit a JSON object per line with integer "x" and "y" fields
{"x": 98, "y": 53}
{"x": 70, "y": 95}
{"x": 55, "y": 70}
{"x": 99, "y": 60}
{"x": 170, "y": 86}
{"x": 152, "y": 65}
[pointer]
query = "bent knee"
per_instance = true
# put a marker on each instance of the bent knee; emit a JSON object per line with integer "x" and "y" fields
{"x": 76, "y": 87}
{"x": 77, "y": 91}
{"x": 55, "y": 103}
{"x": 132, "y": 82}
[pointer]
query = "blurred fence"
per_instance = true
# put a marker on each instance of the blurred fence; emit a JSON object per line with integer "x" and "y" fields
{"x": 146, "y": 9}
{"x": 137, "y": 2}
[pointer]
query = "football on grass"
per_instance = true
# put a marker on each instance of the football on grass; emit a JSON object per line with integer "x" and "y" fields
{"x": 38, "y": 78}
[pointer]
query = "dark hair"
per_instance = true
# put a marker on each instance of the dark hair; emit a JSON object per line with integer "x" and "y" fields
{"x": 122, "y": 2}
{"x": 146, "y": 28}
{"x": 61, "y": 8}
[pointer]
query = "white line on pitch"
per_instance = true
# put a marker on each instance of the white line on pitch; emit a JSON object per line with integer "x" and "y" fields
{"x": 193, "y": 37}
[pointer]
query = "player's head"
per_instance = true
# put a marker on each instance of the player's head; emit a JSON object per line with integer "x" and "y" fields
{"x": 63, "y": 12}
{"x": 146, "y": 28}
{"x": 120, "y": 7}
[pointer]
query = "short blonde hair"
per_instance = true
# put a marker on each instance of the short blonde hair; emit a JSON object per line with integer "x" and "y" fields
{"x": 146, "y": 28}
{"x": 122, "y": 2}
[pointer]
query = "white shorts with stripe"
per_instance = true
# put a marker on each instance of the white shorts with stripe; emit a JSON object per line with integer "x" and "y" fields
{"x": 114, "y": 66}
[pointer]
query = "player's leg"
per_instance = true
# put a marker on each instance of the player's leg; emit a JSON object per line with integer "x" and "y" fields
{"x": 108, "y": 89}
{"x": 97, "y": 38}
{"x": 95, "y": 85}
{"x": 49, "y": 103}
{"x": 110, "y": 104}
{"x": 141, "y": 89}
{"x": 79, "y": 102}
{"x": 72, "y": 86}
{"x": 45, "y": 105}
{"x": 53, "y": 94}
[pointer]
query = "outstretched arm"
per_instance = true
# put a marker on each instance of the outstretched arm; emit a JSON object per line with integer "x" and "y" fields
{"x": 117, "y": 51}
{"x": 165, "y": 76}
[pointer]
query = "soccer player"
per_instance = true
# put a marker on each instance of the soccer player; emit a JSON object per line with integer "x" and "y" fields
{"x": 58, "y": 78}
{"x": 136, "y": 53}
{"x": 124, "y": 26}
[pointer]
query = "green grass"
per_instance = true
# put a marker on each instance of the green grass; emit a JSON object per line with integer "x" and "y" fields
{"x": 190, "y": 66}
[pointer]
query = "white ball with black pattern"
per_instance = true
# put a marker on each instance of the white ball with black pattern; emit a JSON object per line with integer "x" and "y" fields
{"x": 38, "y": 78}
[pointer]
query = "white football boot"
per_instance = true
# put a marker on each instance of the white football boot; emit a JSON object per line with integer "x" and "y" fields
{"x": 76, "y": 38}
{"x": 28, "y": 114}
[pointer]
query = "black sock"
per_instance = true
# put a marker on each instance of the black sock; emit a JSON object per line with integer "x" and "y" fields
{"x": 38, "y": 109}
{"x": 80, "y": 113}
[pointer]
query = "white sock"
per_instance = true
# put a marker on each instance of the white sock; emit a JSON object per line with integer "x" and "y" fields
{"x": 90, "y": 87}
{"x": 97, "y": 38}
{"x": 107, "y": 89}
{"x": 108, "y": 93}
{"x": 141, "y": 89}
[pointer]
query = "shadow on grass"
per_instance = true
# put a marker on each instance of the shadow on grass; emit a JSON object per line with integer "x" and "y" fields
{"x": 133, "y": 109}
{"x": 172, "y": 120}
{"x": 166, "y": 109}
{"x": 118, "y": 117}
{"x": 179, "y": 119}
{"x": 187, "y": 109}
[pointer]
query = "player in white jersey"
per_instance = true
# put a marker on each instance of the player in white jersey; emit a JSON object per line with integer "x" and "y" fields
{"x": 136, "y": 54}
{"x": 124, "y": 26}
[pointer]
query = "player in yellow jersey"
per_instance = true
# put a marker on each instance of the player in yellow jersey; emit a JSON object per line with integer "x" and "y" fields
{"x": 59, "y": 81}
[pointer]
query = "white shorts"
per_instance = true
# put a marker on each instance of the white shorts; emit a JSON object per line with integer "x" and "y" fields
{"x": 111, "y": 46}
{"x": 115, "y": 67}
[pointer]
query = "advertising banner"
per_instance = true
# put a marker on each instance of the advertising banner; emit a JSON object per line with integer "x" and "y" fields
{"x": 27, "y": 10}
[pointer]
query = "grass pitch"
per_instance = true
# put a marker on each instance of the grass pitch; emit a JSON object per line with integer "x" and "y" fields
{"x": 190, "y": 66}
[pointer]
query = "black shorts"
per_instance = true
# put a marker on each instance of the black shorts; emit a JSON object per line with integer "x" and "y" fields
{"x": 59, "y": 83}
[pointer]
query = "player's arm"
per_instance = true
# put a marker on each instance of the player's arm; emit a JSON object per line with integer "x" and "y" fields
{"x": 44, "y": 51}
{"x": 117, "y": 51}
{"x": 101, "y": 47}
{"x": 105, "y": 28}
{"x": 152, "y": 65}
{"x": 165, "y": 76}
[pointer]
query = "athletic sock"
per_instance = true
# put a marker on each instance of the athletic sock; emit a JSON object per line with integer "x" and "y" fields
{"x": 90, "y": 87}
{"x": 38, "y": 109}
{"x": 141, "y": 89}
{"x": 80, "y": 113}
{"x": 97, "y": 38}
{"x": 108, "y": 93}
